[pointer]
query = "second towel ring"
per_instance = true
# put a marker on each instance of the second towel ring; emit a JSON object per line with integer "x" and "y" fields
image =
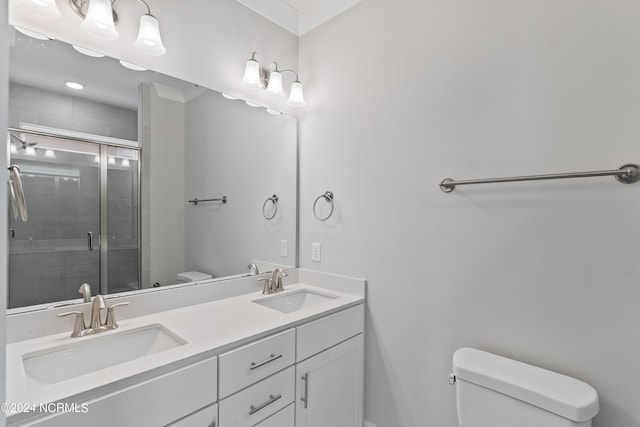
{"x": 328, "y": 196}
{"x": 273, "y": 199}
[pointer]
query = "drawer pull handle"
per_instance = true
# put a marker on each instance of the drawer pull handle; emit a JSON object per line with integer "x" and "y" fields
{"x": 272, "y": 358}
{"x": 272, "y": 398}
{"x": 305, "y": 397}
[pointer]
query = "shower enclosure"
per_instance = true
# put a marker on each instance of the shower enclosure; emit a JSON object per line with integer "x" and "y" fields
{"x": 83, "y": 224}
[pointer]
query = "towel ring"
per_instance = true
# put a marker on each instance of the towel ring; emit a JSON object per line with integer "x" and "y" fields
{"x": 273, "y": 199}
{"x": 328, "y": 196}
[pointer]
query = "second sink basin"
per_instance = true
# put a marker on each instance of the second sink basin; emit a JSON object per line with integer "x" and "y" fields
{"x": 56, "y": 364}
{"x": 294, "y": 301}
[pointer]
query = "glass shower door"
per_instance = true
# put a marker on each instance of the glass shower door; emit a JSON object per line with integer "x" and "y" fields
{"x": 57, "y": 249}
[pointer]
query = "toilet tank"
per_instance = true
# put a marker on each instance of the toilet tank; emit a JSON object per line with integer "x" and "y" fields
{"x": 494, "y": 391}
{"x": 192, "y": 276}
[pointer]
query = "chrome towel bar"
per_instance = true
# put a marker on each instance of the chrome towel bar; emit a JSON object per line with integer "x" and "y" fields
{"x": 196, "y": 201}
{"x": 626, "y": 174}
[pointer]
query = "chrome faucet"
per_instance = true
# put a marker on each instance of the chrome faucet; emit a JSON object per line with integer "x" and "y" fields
{"x": 253, "y": 269}
{"x": 276, "y": 280}
{"x": 85, "y": 290}
{"x": 96, "y": 324}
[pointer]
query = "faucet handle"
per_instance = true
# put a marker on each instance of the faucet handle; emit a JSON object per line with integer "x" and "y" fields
{"x": 79, "y": 327}
{"x": 267, "y": 288}
{"x": 111, "y": 323}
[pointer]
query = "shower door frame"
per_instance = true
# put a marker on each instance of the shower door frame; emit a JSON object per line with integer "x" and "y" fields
{"x": 104, "y": 144}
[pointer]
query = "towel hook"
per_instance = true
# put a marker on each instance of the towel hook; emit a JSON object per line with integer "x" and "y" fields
{"x": 273, "y": 199}
{"x": 328, "y": 196}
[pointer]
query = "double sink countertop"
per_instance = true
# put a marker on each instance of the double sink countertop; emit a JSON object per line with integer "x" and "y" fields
{"x": 194, "y": 333}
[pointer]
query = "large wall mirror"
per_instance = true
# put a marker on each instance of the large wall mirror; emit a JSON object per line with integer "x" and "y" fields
{"x": 139, "y": 180}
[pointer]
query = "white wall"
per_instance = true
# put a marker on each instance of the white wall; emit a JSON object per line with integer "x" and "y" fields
{"x": 403, "y": 94}
{"x": 4, "y": 114}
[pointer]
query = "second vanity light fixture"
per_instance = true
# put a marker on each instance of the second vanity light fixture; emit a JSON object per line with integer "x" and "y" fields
{"x": 100, "y": 19}
{"x": 254, "y": 77}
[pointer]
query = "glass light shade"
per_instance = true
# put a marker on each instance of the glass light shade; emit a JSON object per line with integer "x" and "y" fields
{"x": 125, "y": 163}
{"x": 88, "y": 52}
{"x": 30, "y": 151}
{"x": 111, "y": 160}
{"x": 296, "y": 97}
{"x": 251, "y": 76}
{"x": 99, "y": 20}
{"x": 96, "y": 159}
{"x": 44, "y": 8}
{"x": 14, "y": 149}
{"x": 275, "y": 84}
{"x": 131, "y": 66}
{"x": 32, "y": 34}
{"x": 149, "y": 41}
{"x": 231, "y": 97}
{"x": 49, "y": 154}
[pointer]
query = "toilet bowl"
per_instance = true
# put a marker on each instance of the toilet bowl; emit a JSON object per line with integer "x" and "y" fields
{"x": 494, "y": 391}
{"x": 193, "y": 276}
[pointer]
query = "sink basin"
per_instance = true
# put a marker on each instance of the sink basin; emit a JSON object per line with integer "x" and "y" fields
{"x": 90, "y": 354}
{"x": 294, "y": 301}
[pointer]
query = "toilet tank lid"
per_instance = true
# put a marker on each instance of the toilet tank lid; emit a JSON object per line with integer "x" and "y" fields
{"x": 557, "y": 393}
{"x": 193, "y": 276}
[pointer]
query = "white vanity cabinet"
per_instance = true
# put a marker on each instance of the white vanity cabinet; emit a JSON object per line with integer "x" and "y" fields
{"x": 330, "y": 371}
{"x": 207, "y": 417}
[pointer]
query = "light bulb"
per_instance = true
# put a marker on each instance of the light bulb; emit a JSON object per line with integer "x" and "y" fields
{"x": 275, "y": 84}
{"x": 99, "y": 20}
{"x": 149, "y": 41}
{"x": 296, "y": 97}
{"x": 44, "y": 8}
{"x": 74, "y": 85}
{"x": 251, "y": 76}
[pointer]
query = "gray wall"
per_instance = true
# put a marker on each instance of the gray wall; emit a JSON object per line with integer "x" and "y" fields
{"x": 403, "y": 94}
{"x": 39, "y": 107}
{"x": 248, "y": 155}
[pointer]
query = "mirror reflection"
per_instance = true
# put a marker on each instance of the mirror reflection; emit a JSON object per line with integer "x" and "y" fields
{"x": 139, "y": 180}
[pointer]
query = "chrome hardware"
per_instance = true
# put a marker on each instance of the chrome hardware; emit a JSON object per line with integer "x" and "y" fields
{"x": 85, "y": 290}
{"x": 212, "y": 424}
{"x": 276, "y": 280}
{"x": 96, "y": 325}
{"x": 272, "y": 398}
{"x": 626, "y": 174}
{"x": 17, "y": 193}
{"x": 452, "y": 378}
{"x": 90, "y": 241}
{"x": 12, "y": 233}
{"x": 111, "y": 323}
{"x": 196, "y": 201}
{"x": 305, "y": 397}
{"x": 96, "y": 308}
{"x": 267, "y": 288}
{"x": 79, "y": 327}
{"x": 328, "y": 196}
{"x": 253, "y": 269}
{"x": 273, "y": 199}
{"x": 272, "y": 358}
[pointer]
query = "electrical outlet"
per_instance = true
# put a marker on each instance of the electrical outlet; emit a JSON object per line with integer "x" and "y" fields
{"x": 284, "y": 248}
{"x": 315, "y": 252}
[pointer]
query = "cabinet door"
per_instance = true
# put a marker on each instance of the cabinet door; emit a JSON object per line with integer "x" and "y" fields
{"x": 330, "y": 386}
{"x": 207, "y": 417}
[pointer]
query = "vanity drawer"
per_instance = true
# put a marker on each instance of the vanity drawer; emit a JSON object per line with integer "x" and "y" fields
{"x": 207, "y": 417}
{"x": 246, "y": 365}
{"x": 284, "y": 418}
{"x": 321, "y": 334}
{"x": 151, "y": 403}
{"x": 252, "y": 405}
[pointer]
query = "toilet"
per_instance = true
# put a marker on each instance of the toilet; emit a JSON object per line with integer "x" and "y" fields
{"x": 493, "y": 391}
{"x": 193, "y": 276}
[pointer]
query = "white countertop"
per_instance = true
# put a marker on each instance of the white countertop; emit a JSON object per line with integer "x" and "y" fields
{"x": 208, "y": 329}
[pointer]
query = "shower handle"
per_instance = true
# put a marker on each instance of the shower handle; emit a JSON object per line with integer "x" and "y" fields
{"x": 90, "y": 240}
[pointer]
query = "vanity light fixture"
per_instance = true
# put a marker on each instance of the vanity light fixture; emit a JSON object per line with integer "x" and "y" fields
{"x": 44, "y": 8}
{"x": 125, "y": 163}
{"x": 231, "y": 97}
{"x": 49, "y": 154}
{"x": 100, "y": 20}
{"x": 131, "y": 66}
{"x": 33, "y": 34}
{"x": 88, "y": 52}
{"x": 255, "y": 78}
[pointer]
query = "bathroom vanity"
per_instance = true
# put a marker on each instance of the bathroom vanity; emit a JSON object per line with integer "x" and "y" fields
{"x": 294, "y": 358}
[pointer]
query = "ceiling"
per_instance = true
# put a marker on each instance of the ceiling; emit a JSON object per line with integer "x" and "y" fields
{"x": 299, "y": 16}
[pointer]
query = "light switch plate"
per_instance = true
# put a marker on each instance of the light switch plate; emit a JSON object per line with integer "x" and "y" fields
{"x": 315, "y": 252}
{"x": 284, "y": 248}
